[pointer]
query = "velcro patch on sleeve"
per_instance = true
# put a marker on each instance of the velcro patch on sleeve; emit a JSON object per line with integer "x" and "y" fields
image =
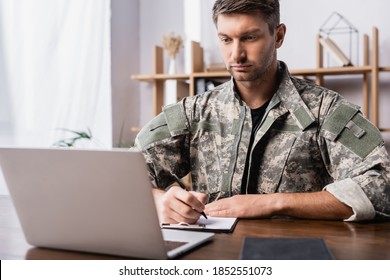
{"x": 175, "y": 119}
{"x": 154, "y": 131}
{"x": 352, "y": 130}
{"x": 338, "y": 120}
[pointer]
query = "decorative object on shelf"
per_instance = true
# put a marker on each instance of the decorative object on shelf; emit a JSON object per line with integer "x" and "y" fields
{"x": 337, "y": 54}
{"x": 335, "y": 32}
{"x": 172, "y": 44}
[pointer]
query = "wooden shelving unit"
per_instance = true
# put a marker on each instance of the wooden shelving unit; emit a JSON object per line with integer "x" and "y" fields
{"x": 369, "y": 71}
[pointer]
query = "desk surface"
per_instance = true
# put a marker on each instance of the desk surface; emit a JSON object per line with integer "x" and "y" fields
{"x": 346, "y": 240}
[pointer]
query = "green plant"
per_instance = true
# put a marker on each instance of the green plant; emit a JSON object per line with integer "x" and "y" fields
{"x": 78, "y": 135}
{"x": 123, "y": 142}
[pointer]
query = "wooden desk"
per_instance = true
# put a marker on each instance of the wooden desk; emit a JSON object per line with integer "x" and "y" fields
{"x": 346, "y": 240}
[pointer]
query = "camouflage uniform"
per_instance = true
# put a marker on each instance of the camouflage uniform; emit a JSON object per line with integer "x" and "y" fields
{"x": 310, "y": 139}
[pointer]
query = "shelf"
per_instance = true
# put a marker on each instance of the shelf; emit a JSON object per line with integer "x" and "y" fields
{"x": 224, "y": 74}
{"x": 332, "y": 71}
{"x": 349, "y": 70}
{"x": 163, "y": 77}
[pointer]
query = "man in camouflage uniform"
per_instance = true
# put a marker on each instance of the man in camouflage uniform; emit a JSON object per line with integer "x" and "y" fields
{"x": 265, "y": 143}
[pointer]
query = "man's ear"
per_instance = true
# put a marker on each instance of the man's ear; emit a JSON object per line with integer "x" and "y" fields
{"x": 280, "y": 32}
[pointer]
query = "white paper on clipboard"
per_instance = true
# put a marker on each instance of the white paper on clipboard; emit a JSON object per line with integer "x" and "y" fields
{"x": 214, "y": 224}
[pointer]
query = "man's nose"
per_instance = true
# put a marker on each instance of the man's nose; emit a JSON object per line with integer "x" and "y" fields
{"x": 238, "y": 52}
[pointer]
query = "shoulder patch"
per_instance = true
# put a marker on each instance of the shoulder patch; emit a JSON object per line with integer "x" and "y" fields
{"x": 337, "y": 121}
{"x": 155, "y": 130}
{"x": 175, "y": 118}
{"x": 347, "y": 125}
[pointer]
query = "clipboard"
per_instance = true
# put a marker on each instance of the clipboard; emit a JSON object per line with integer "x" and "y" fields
{"x": 212, "y": 224}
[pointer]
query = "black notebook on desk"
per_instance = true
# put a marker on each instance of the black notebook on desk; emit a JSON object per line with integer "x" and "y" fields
{"x": 285, "y": 249}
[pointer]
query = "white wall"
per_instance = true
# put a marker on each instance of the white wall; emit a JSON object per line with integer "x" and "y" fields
{"x": 5, "y": 116}
{"x": 125, "y": 45}
{"x": 3, "y": 187}
{"x": 157, "y": 18}
{"x": 303, "y": 19}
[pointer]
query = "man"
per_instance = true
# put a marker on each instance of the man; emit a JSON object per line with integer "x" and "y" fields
{"x": 264, "y": 143}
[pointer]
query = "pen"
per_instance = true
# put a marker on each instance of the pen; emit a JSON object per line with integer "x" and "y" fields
{"x": 184, "y": 188}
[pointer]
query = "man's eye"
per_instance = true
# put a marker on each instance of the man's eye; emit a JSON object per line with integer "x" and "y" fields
{"x": 250, "y": 38}
{"x": 224, "y": 39}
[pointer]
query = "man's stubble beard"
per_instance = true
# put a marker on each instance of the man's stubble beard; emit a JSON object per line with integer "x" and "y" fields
{"x": 259, "y": 74}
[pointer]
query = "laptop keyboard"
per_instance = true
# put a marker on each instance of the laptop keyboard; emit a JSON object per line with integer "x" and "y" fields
{"x": 170, "y": 245}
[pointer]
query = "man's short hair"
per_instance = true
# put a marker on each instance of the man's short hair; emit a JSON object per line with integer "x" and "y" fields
{"x": 269, "y": 9}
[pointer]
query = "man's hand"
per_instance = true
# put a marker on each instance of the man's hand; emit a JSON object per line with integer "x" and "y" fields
{"x": 177, "y": 205}
{"x": 316, "y": 205}
{"x": 242, "y": 206}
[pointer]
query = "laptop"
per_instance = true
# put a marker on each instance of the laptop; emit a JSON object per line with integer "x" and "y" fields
{"x": 96, "y": 201}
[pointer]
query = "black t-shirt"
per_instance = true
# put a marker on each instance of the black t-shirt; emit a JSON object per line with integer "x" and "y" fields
{"x": 257, "y": 116}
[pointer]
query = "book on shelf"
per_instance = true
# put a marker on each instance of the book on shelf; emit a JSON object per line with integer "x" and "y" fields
{"x": 202, "y": 85}
{"x": 337, "y": 54}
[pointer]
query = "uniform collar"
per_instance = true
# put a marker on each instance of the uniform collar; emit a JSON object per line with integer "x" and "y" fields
{"x": 287, "y": 97}
{"x": 290, "y": 98}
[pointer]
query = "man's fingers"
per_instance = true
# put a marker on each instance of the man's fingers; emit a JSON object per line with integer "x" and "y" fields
{"x": 202, "y": 197}
{"x": 184, "y": 210}
{"x": 220, "y": 208}
{"x": 189, "y": 199}
{"x": 178, "y": 205}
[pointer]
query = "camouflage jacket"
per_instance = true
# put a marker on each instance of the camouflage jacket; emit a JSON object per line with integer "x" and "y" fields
{"x": 310, "y": 139}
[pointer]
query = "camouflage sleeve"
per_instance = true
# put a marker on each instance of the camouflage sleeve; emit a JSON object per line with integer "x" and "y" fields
{"x": 164, "y": 142}
{"x": 354, "y": 153}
